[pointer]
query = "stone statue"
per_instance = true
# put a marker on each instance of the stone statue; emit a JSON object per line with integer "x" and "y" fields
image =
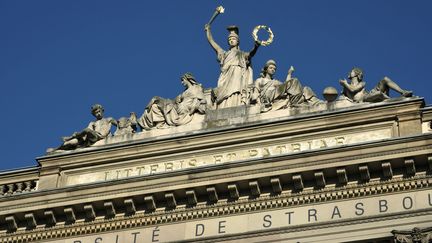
{"x": 126, "y": 125}
{"x": 274, "y": 95}
{"x": 161, "y": 113}
{"x": 236, "y": 72}
{"x": 416, "y": 235}
{"x": 95, "y": 131}
{"x": 355, "y": 89}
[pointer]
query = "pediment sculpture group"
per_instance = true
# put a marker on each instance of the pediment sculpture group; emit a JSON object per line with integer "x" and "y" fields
{"x": 235, "y": 87}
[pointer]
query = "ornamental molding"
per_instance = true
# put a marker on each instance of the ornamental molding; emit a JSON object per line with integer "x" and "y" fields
{"x": 224, "y": 208}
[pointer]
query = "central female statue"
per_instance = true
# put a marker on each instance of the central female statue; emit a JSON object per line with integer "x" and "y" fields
{"x": 236, "y": 71}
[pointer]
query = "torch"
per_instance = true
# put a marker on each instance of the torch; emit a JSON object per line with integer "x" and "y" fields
{"x": 219, "y": 10}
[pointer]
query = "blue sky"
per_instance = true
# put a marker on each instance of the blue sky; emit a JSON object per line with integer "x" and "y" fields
{"x": 57, "y": 58}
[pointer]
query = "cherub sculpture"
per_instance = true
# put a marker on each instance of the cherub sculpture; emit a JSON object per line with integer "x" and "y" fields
{"x": 126, "y": 125}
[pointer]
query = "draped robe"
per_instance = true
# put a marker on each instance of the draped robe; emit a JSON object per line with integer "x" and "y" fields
{"x": 280, "y": 95}
{"x": 234, "y": 79}
{"x": 161, "y": 112}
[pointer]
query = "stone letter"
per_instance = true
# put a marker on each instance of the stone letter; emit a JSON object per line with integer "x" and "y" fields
{"x": 267, "y": 221}
{"x": 383, "y": 206}
{"x": 199, "y": 230}
{"x": 336, "y": 212}
{"x": 221, "y": 229}
{"x": 253, "y": 152}
{"x": 169, "y": 166}
{"x": 312, "y": 212}
{"x": 231, "y": 156}
{"x": 135, "y": 236}
{"x": 281, "y": 148}
{"x": 296, "y": 147}
{"x": 192, "y": 162}
{"x": 323, "y": 143}
{"x": 359, "y": 207}
{"x": 289, "y": 216}
{"x": 340, "y": 140}
{"x": 409, "y": 202}
{"x": 153, "y": 168}
{"x": 218, "y": 159}
{"x": 106, "y": 175}
{"x": 155, "y": 234}
{"x": 128, "y": 171}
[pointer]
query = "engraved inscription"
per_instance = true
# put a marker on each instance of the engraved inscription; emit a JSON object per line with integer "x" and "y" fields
{"x": 228, "y": 157}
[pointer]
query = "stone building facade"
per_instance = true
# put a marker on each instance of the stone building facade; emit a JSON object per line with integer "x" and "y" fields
{"x": 335, "y": 172}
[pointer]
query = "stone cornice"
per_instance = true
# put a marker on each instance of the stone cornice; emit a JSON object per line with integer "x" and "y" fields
{"x": 272, "y": 166}
{"x": 225, "y": 135}
{"x": 244, "y": 205}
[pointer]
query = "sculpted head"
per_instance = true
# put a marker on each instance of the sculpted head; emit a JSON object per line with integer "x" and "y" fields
{"x": 123, "y": 122}
{"x": 188, "y": 78}
{"x": 233, "y": 41}
{"x": 233, "y": 37}
{"x": 356, "y": 72}
{"x": 97, "y": 111}
{"x": 269, "y": 68}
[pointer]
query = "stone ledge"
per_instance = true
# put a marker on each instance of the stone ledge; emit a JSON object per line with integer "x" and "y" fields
{"x": 235, "y": 117}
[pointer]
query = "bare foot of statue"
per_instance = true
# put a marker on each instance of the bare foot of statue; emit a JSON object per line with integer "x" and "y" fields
{"x": 66, "y": 138}
{"x": 407, "y": 93}
{"x": 49, "y": 150}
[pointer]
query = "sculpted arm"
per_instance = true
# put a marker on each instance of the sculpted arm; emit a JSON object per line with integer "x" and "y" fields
{"x": 289, "y": 75}
{"x": 113, "y": 121}
{"x": 254, "y": 50}
{"x": 256, "y": 91}
{"x": 352, "y": 88}
{"x": 210, "y": 39}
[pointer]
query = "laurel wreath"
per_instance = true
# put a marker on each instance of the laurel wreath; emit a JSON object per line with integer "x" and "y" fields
{"x": 255, "y": 35}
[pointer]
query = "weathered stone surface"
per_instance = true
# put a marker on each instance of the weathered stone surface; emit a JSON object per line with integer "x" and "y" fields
{"x": 30, "y": 220}
{"x": 150, "y": 203}
{"x": 276, "y": 185}
{"x": 70, "y": 215}
{"x": 255, "y": 188}
{"x": 342, "y": 176}
{"x": 95, "y": 131}
{"x": 364, "y": 173}
{"x": 233, "y": 191}
{"x": 89, "y": 212}
{"x": 163, "y": 113}
{"x": 11, "y": 223}
{"x": 320, "y": 180}
{"x": 271, "y": 94}
{"x": 191, "y": 197}
{"x": 387, "y": 170}
{"x": 236, "y": 71}
{"x": 50, "y": 218}
{"x": 356, "y": 92}
{"x": 332, "y": 172}
{"x": 212, "y": 194}
{"x": 130, "y": 206}
{"x": 109, "y": 209}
